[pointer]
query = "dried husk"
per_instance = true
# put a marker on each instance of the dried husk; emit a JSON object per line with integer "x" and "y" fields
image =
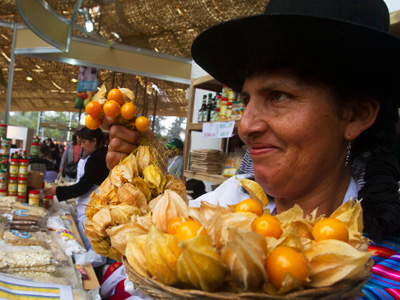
{"x": 127, "y": 92}
{"x": 144, "y": 221}
{"x": 118, "y": 234}
{"x": 122, "y": 213}
{"x": 134, "y": 253}
{"x": 178, "y": 187}
{"x": 200, "y": 265}
{"x": 107, "y": 189}
{"x": 166, "y": 207}
{"x": 114, "y": 254}
{"x": 101, "y": 220}
{"x": 162, "y": 254}
{"x": 124, "y": 171}
{"x": 144, "y": 158}
{"x": 100, "y": 93}
{"x": 130, "y": 194}
{"x": 244, "y": 254}
{"x": 95, "y": 203}
{"x": 255, "y": 191}
{"x": 333, "y": 260}
{"x": 101, "y": 247}
{"x": 206, "y": 212}
{"x": 154, "y": 178}
{"x": 142, "y": 186}
{"x": 90, "y": 232}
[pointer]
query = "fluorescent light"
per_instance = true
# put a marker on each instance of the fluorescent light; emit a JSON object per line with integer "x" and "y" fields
{"x": 29, "y": 78}
{"x": 89, "y": 25}
{"x": 74, "y": 80}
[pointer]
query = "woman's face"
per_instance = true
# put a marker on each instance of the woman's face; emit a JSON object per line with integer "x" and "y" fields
{"x": 294, "y": 132}
{"x": 88, "y": 146}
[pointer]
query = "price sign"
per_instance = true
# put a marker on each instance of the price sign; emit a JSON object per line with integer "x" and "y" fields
{"x": 218, "y": 129}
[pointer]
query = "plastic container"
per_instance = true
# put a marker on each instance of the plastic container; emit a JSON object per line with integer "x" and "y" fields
{"x": 23, "y": 167}
{"x": 47, "y": 202}
{"x": 224, "y": 106}
{"x": 35, "y": 149}
{"x": 12, "y": 186}
{"x": 3, "y": 130}
{"x": 22, "y": 186}
{"x": 231, "y": 95}
{"x": 229, "y": 111}
{"x": 14, "y": 167}
{"x": 5, "y": 146}
{"x": 34, "y": 197}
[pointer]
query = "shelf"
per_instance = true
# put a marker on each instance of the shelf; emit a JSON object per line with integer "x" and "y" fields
{"x": 199, "y": 126}
{"x": 216, "y": 179}
{"x": 207, "y": 83}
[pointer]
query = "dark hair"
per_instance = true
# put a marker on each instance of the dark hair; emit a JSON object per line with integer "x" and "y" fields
{"x": 74, "y": 139}
{"x": 90, "y": 135}
{"x": 374, "y": 147}
{"x": 196, "y": 186}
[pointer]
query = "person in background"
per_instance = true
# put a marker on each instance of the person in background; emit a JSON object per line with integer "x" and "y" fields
{"x": 175, "y": 164}
{"x": 94, "y": 174}
{"x": 71, "y": 158}
{"x": 319, "y": 81}
{"x": 54, "y": 151}
{"x": 195, "y": 188}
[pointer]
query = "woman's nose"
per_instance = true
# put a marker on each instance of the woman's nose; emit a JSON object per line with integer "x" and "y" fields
{"x": 252, "y": 121}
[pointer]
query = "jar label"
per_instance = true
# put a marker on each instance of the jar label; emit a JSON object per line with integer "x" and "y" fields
{"x": 14, "y": 170}
{"x": 12, "y": 187}
{"x": 24, "y": 235}
{"x": 23, "y": 170}
{"x": 22, "y": 212}
{"x": 34, "y": 201}
{"x": 21, "y": 188}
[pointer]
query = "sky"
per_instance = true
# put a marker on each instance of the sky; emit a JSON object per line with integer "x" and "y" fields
{"x": 393, "y": 5}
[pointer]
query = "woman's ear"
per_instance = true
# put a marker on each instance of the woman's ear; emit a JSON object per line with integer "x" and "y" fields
{"x": 364, "y": 112}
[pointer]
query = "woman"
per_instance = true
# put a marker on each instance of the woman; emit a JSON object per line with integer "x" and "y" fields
{"x": 319, "y": 83}
{"x": 95, "y": 173}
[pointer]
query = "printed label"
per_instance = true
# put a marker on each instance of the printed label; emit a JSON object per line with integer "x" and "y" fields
{"x": 24, "y": 235}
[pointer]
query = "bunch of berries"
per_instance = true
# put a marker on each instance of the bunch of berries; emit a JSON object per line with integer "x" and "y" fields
{"x": 118, "y": 105}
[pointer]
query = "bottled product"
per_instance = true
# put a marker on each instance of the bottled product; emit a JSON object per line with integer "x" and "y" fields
{"x": 22, "y": 186}
{"x": 34, "y": 197}
{"x": 5, "y": 146}
{"x": 47, "y": 202}
{"x": 3, "y": 193}
{"x": 225, "y": 91}
{"x": 35, "y": 147}
{"x": 23, "y": 168}
{"x": 218, "y": 113}
{"x": 209, "y": 107}
{"x": 201, "y": 110}
{"x": 213, "y": 111}
{"x": 3, "y": 179}
{"x": 229, "y": 111}
{"x": 224, "y": 106}
{"x": 12, "y": 186}
{"x": 3, "y": 130}
{"x": 14, "y": 166}
{"x": 239, "y": 111}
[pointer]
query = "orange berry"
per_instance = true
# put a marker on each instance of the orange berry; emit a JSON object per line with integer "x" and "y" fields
{"x": 112, "y": 109}
{"x": 267, "y": 225}
{"x": 128, "y": 111}
{"x": 283, "y": 260}
{"x": 93, "y": 108}
{"x": 190, "y": 229}
{"x": 175, "y": 223}
{"x": 92, "y": 122}
{"x": 116, "y": 95}
{"x": 330, "y": 228}
{"x": 142, "y": 124}
{"x": 249, "y": 205}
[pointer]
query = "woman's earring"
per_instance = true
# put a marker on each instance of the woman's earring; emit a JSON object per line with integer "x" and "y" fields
{"x": 347, "y": 160}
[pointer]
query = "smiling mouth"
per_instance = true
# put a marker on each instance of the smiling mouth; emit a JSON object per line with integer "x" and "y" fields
{"x": 260, "y": 150}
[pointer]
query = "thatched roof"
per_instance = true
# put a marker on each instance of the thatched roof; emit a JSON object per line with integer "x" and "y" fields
{"x": 167, "y": 26}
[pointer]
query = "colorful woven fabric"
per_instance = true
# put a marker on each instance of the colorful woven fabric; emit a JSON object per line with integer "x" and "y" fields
{"x": 385, "y": 279}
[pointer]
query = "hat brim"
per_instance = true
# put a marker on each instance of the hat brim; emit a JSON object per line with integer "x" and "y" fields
{"x": 223, "y": 49}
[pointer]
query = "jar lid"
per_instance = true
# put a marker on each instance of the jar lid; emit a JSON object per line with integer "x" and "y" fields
{"x": 49, "y": 197}
{"x": 24, "y": 160}
{"x": 34, "y": 192}
{"x": 35, "y": 144}
{"x": 21, "y": 197}
{"x": 224, "y": 99}
{"x": 229, "y": 103}
{"x": 14, "y": 159}
{"x": 3, "y": 125}
{"x": 3, "y": 191}
{"x": 22, "y": 178}
{"x": 12, "y": 178}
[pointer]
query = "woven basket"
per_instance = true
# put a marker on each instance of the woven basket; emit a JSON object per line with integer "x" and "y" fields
{"x": 346, "y": 289}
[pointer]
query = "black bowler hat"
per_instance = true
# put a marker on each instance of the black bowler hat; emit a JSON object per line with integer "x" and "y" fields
{"x": 350, "y": 34}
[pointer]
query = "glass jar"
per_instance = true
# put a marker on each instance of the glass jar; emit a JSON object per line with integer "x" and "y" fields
{"x": 3, "y": 193}
{"x": 47, "y": 202}
{"x": 12, "y": 186}
{"x": 225, "y": 91}
{"x": 3, "y": 130}
{"x": 35, "y": 149}
{"x": 229, "y": 111}
{"x": 23, "y": 167}
{"x": 224, "y": 106}
{"x": 22, "y": 186}
{"x": 5, "y": 146}
{"x": 34, "y": 197}
{"x": 14, "y": 167}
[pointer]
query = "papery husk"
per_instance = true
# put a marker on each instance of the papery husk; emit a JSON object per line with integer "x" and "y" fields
{"x": 100, "y": 93}
{"x": 90, "y": 232}
{"x": 351, "y": 214}
{"x": 144, "y": 221}
{"x": 122, "y": 213}
{"x": 95, "y": 203}
{"x": 101, "y": 220}
{"x": 114, "y": 254}
{"x": 162, "y": 252}
{"x": 200, "y": 265}
{"x": 166, "y": 207}
{"x": 127, "y": 92}
{"x": 154, "y": 178}
{"x": 217, "y": 227}
{"x": 289, "y": 238}
{"x": 255, "y": 191}
{"x": 124, "y": 171}
{"x": 144, "y": 158}
{"x": 134, "y": 253}
{"x": 142, "y": 186}
{"x": 107, "y": 189}
{"x": 332, "y": 261}
{"x": 117, "y": 234}
{"x": 244, "y": 254}
{"x": 131, "y": 195}
{"x": 206, "y": 212}
{"x": 101, "y": 247}
{"x": 177, "y": 186}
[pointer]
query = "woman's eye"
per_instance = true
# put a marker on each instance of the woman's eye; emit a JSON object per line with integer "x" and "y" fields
{"x": 278, "y": 96}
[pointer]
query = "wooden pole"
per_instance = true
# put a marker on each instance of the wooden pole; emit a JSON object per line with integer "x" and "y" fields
{"x": 144, "y": 111}
{"x": 155, "y": 110}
